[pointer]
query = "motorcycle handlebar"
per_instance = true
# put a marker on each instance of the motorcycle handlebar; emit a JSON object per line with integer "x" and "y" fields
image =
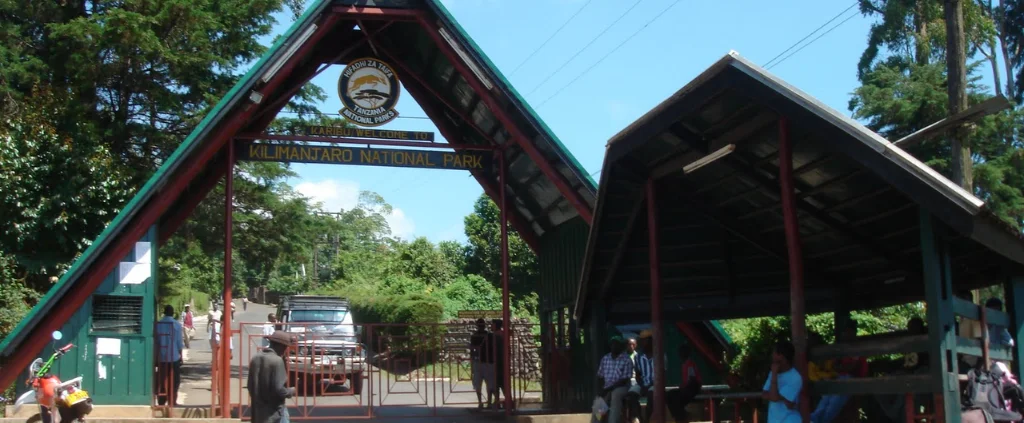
{"x": 66, "y": 348}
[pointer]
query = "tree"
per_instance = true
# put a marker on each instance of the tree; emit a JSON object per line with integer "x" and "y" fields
{"x": 59, "y": 190}
{"x": 140, "y": 73}
{"x": 484, "y": 252}
{"x": 907, "y": 90}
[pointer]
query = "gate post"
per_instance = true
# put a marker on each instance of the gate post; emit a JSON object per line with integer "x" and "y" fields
{"x": 225, "y": 327}
{"x": 506, "y": 315}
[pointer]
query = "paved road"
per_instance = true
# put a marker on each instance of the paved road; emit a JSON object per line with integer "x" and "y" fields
{"x": 392, "y": 395}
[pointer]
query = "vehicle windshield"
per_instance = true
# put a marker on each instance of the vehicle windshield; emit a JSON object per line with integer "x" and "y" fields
{"x": 335, "y": 316}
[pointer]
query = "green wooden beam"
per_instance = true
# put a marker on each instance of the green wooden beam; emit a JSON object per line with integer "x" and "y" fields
{"x": 892, "y": 385}
{"x": 1014, "y": 292}
{"x": 970, "y": 310}
{"x": 871, "y": 347}
{"x": 941, "y": 321}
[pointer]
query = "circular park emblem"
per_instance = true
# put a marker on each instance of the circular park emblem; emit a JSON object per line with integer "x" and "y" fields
{"x": 368, "y": 88}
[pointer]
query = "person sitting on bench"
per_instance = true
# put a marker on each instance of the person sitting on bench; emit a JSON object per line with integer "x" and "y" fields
{"x": 613, "y": 373}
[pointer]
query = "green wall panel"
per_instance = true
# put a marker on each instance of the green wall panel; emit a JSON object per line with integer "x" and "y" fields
{"x": 129, "y": 377}
{"x": 560, "y": 260}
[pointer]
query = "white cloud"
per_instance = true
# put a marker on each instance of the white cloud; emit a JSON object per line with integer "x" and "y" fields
{"x": 334, "y": 196}
{"x": 401, "y": 225}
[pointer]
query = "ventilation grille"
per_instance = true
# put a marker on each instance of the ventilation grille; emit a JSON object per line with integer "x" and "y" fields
{"x": 117, "y": 314}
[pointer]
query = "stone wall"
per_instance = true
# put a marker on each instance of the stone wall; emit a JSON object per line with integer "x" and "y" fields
{"x": 525, "y": 346}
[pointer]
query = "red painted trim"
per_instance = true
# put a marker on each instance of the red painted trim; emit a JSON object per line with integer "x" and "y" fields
{"x": 181, "y": 213}
{"x": 149, "y": 215}
{"x": 447, "y": 131}
{"x": 359, "y": 141}
{"x": 654, "y": 261}
{"x": 408, "y": 72}
{"x": 520, "y": 138}
{"x": 796, "y": 265}
{"x": 376, "y": 13}
{"x": 698, "y": 341}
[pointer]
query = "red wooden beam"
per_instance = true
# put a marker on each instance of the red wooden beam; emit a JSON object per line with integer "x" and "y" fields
{"x": 798, "y": 313}
{"x": 376, "y": 13}
{"x": 423, "y": 84}
{"x": 702, "y": 347}
{"x": 520, "y": 138}
{"x": 312, "y": 70}
{"x": 170, "y": 224}
{"x": 448, "y": 132}
{"x": 360, "y": 141}
{"x": 654, "y": 261}
{"x": 93, "y": 277}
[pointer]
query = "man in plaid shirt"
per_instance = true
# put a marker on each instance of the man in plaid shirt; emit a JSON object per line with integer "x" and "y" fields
{"x": 614, "y": 372}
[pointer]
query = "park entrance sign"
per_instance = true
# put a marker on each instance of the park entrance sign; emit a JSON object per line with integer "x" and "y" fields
{"x": 297, "y": 153}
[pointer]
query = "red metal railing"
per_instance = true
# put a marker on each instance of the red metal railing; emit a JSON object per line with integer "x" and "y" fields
{"x": 408, "y": 371}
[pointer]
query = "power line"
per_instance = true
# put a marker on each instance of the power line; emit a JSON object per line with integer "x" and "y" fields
{"x": 812, "y": 41}
{"x": 598, "y": 62}
{"x": 769, "y": 63}
{"x": 592, "y": 40}
{"x": 520, "y": 65}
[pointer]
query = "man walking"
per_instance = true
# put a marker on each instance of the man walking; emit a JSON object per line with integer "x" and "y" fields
{"x": 188, "y": 327}
{"x": 268, "y": 329}
{"x": 268, "y": 380}
{"x": 169, "y": 341}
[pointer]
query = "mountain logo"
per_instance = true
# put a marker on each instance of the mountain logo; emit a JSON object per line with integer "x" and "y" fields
{"x": 369, "y": 90}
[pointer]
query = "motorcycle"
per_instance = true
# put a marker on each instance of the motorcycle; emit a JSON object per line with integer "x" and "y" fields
{"x": 72, "y": 402}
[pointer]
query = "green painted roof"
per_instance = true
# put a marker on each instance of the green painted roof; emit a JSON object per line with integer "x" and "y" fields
{"x": 579, "y": 178}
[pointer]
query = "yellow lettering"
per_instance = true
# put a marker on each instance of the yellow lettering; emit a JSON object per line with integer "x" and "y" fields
{"x": 346, "y": 155}
{"x": 427, "y": 158}
{"x": 476, "y": 162}
{"x": 303, "y": 153}
{"x": 293, "y": 153}
{"x": 447, "y": 159}
{"x": 398, "y": 157}
{"x": 364, "y": 156}
{"x": 335, "y": 154}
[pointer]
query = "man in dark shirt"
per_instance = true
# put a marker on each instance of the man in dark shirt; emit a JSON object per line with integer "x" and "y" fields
{"x": 268, "y": 381}
{"x": 477, "y": 364}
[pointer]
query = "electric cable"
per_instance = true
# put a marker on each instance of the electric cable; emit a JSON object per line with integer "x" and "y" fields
{"x": 520, "y": 65}
{"x": 769, "y": 63}
{"x": 812, "y": 41}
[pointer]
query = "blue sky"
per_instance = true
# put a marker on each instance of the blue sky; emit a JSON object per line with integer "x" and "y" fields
{"x": 667, "y": 54}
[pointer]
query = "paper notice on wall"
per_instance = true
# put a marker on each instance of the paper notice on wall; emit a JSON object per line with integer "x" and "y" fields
{"x": 101, "y": 370}
{"x": 134, "y": 273}
{"x": 142, "y": 252}
{"x": 108, "y": 346}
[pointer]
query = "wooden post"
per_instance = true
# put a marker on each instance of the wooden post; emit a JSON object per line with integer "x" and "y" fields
{"x": 938, "y": 290}
{"x": 658, "y": 415}
{"x": 225, "y": 327}
{"x": 797, "y": 310}
{"x": 956, "y": 69}
{"x": 1013, "y": 289}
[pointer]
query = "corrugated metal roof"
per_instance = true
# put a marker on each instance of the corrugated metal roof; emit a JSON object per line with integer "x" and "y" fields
{"x": 721, "y": 229}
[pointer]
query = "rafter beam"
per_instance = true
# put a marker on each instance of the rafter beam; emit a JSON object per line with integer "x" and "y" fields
{"x": 526, "y": 143}
{"x": 620, "y": 249}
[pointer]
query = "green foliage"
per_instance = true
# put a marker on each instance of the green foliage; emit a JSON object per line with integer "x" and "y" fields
{"x": 483, "y": 252}
{"x": 16, "y": 298}
{"x": 755, "y": 338}
{"x": 470, "y": 292}
{"x": 59, "y": 190}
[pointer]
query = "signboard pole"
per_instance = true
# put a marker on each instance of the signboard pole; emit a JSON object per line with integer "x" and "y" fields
{"x": 505, "y": 313}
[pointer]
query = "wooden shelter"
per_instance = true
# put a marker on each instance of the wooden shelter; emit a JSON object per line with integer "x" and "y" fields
{"x": 741, "y": 196}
